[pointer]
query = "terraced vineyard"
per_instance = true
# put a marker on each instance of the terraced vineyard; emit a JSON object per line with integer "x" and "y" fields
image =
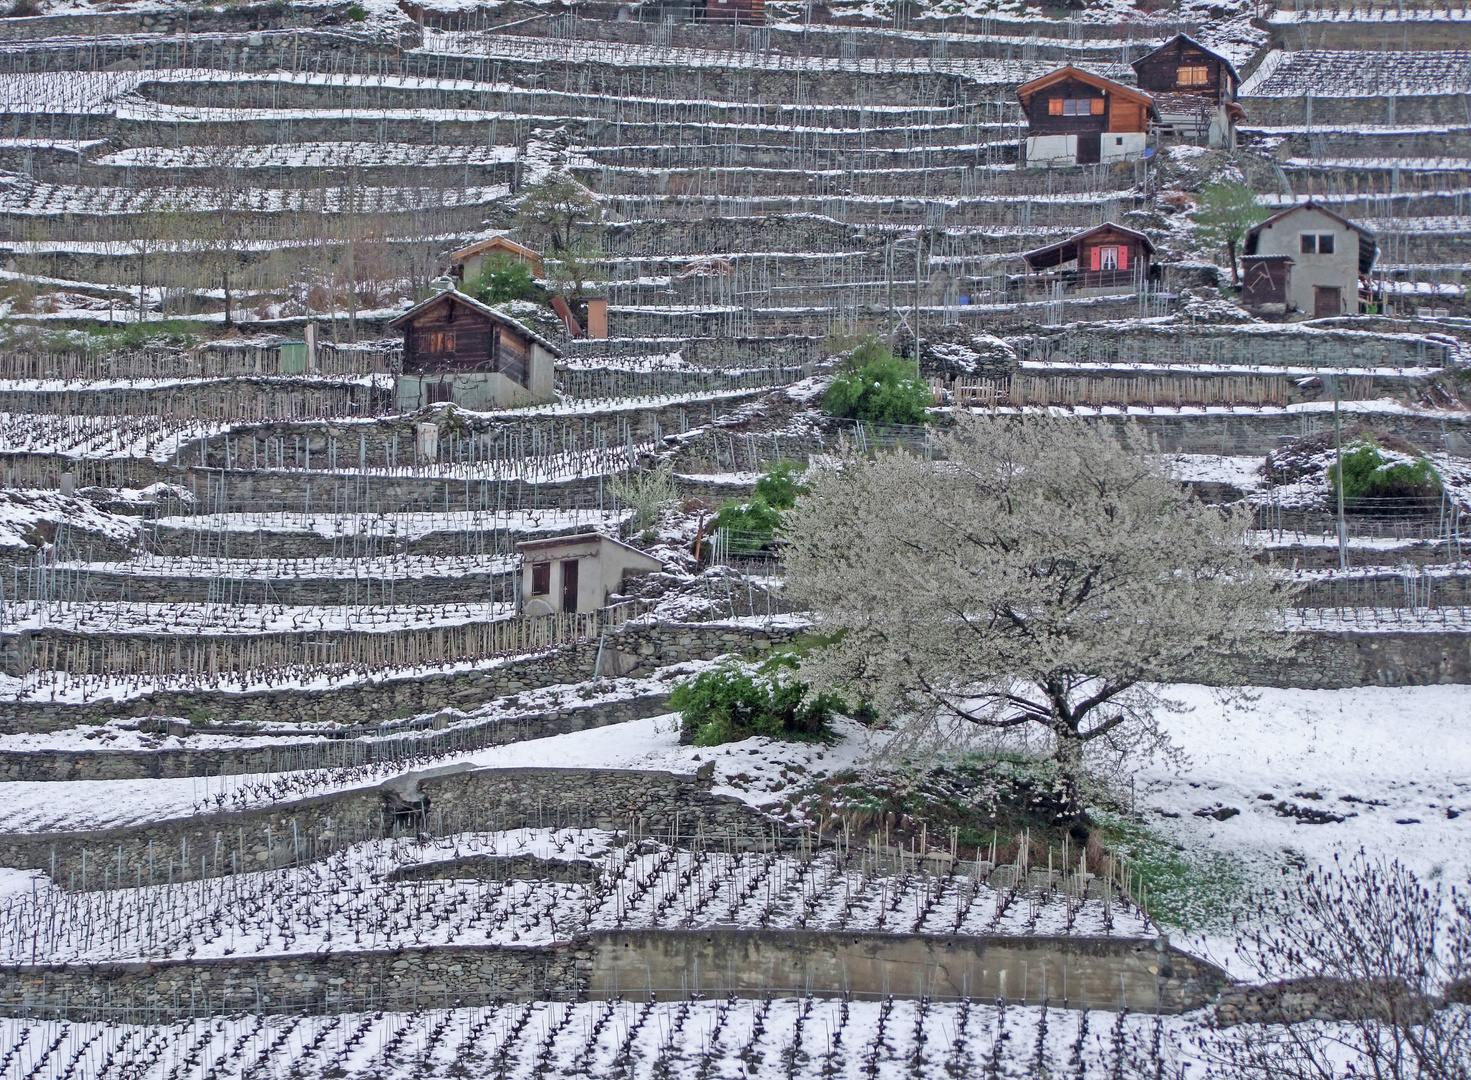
{"x": 293, "y": 783}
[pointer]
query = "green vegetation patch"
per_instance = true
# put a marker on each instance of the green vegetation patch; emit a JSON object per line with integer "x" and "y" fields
{"x": 876, "y": 387}
{"x": 753, "y": 525}
{"x": 1191, "y": 890}
{"x": 731, "y": 703}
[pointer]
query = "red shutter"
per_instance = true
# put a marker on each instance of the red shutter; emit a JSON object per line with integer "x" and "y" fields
{"x": 1096, "y": 257}
{"x": 1123, "y": 256}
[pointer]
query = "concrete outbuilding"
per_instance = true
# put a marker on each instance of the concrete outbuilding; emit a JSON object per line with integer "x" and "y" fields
{"x": 1319, "y": 258}
{"x": 576, "y": 573}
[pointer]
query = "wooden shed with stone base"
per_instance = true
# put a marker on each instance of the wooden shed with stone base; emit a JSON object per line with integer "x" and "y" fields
{"x": 458, "y": 349}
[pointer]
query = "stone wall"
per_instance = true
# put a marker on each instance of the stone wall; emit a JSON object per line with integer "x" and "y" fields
{"x": 438, "y": 802}
{"x": 342, "y": 749}
{"x": 1080, "y": 972}
{"x": 1337, "y": 661}
{"x": 373, "y": 702}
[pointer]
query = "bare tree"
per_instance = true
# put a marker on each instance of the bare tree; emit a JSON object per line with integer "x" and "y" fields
{"x": 1036, "y": 580}
{"x": 1373, "y": 946}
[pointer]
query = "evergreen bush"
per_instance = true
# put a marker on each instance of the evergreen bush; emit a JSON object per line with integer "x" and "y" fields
{"x": 877, "y": 387}
{"x": 730, "y": 703}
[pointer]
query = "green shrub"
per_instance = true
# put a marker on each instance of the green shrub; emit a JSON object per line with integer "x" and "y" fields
{"x": 502, "y": 278}
{"x": 357, "y": 13}
{"x": 1366, "y": 475}
{"x": 778, "y": 486}
{"x": 877, "y": 387}
{"x": 753, "y": 524}
{"x": 728, "y": 704}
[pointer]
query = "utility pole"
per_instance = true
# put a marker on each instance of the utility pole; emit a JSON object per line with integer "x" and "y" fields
{"x": 1332, "y": 387}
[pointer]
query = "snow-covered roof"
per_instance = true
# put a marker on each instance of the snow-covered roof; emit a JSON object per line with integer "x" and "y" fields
{"x": 501, "y": 317}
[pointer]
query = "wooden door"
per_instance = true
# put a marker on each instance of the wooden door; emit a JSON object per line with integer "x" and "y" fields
{"x": 1327, "y": 301}
{"x": 569, "y": 586}
{"x": 1090, "y": 147}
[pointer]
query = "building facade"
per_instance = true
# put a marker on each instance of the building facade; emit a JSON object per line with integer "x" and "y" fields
{"x": 457, "y": 349}
{"x": 469, "y": 261}
{"x": 1194, "y": 90}
{"x": 1075, "y": 117}
{"x": 576, "y": 574}
{"x": 1308, "y": 259}
{"x": 1099, "y": 261}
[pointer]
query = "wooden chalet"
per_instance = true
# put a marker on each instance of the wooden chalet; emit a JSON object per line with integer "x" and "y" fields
{"x": 750, "y": 12}
{"x": 1194, "y": 90}
{"x": 468, "y": 261}
{"x": 1105, "y": 259}
{"x": 458, "y": 349}
{"x": 1075, "y": 117}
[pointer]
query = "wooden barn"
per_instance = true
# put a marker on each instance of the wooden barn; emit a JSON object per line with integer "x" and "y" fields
{"x": 1075, "y": 117}
{"x": 1105, "y": 259}
{"x": 457, "y": 349}
{"x": 1194, "y": 90}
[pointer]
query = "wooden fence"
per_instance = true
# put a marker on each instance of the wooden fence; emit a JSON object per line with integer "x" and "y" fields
{"x": 1152, "y": 391}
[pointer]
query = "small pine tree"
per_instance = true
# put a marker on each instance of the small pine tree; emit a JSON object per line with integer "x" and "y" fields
{"x": 1228, "y": 208}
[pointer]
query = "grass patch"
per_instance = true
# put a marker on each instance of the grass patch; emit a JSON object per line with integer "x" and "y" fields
{"x": 1190, "y": 890}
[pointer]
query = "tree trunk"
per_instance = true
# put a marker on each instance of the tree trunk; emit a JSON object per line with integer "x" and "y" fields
{"x": 1231, "y": 253}
{"x": 1069, "y": 757}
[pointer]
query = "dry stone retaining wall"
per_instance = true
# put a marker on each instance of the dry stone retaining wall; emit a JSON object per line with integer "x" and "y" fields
{"x": 1099, "y": 971}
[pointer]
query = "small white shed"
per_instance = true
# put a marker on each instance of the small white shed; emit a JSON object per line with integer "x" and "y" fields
{"x": 1318, "y": 260}
{"x": 576, "y": 573}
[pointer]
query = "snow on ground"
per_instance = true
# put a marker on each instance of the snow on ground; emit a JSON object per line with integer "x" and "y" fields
{"x": 1318, "y": 773}
{"x": 1238, "y": 471}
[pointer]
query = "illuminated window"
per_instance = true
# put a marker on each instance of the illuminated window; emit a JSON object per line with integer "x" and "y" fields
{"x": 1192, "y": 76}
{"x": 541, "y": 578}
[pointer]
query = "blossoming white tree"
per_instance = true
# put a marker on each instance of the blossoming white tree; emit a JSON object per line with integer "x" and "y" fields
{"x": 1035, "y": 579}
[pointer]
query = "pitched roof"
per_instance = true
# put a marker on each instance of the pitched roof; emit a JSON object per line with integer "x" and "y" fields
{"x": 1368, "y": 246}
{"x": 1056, "y": 254}
{"x": 585, "y": 538}
{"x": 1027, "y": 90}
{"x": 1188, "y": 40}
{"x": 502, "y": 242}
{"x": 454, "y": 296}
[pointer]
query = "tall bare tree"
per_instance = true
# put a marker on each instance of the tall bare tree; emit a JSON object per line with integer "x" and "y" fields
{"x": 1036, "y": 580}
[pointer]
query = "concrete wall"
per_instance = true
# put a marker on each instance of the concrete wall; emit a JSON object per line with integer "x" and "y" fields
{"x": 1122, "y": 145}
{"x": 1087, "y": 972}
{"x": 1045, "y": 150}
